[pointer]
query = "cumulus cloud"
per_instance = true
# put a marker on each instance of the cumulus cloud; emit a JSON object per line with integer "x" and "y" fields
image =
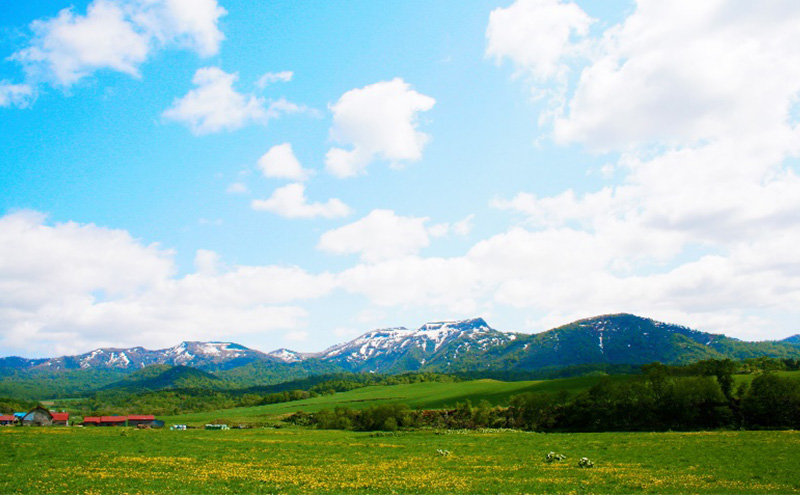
{"x": 70, "y": 47}
{"x": 214, "y": 105}
{"x": 117, "y": 35}
{"x": 380, "y": 235}
{"x": 189, "y": 23}
{"x": 290, "y": 201}
{"x": 673, "y": 73}
{"x": 378, "y": 121}
{"x": 280, "y": 163}
{"x": 66, "y": 288}
{"x": 384, "y": 235}
{"x": 18, "y": 95}
{"x": 537, "y": 36}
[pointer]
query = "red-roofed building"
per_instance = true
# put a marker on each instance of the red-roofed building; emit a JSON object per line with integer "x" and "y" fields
{"x": 8, "y": 420}
{"x": 91, "y": 421}
{"x": 113, "y": 420}
{"x": 60, "y": 419}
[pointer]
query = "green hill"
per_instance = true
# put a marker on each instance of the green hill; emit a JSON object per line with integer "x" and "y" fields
{"x": 163, "y": 376}
{"x": 426, "y": 395}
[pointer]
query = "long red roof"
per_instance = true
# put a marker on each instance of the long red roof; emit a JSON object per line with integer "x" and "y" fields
{"x": 91, "y": 419}
{"x": 113, "y": 419}
{"x": 141, "y": 417}
{"x": 8, "y": 418}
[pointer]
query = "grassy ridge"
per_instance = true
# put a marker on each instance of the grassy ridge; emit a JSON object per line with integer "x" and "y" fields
{"x": 311, "y": 461}
{"x": 428, "y": 395}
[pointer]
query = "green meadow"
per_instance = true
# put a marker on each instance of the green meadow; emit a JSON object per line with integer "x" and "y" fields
{"x": 427, "y": 395}
{"x": 290, "y": 460}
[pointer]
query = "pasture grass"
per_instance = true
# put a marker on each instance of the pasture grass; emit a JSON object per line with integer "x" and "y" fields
{"x": 294, "y": 460}
{"x": 426, "y": 395}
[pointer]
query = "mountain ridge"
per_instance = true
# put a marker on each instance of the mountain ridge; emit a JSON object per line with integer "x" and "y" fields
{"x": 448, "y": 346}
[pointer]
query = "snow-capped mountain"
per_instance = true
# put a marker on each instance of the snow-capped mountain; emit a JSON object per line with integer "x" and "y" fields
{"x": 287, "y": 355}
{"x": 204, "y": 355}
{"x": 401, "y": 349}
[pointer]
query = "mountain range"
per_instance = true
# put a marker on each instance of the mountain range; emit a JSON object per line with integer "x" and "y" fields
{"x": 449, "y": 346}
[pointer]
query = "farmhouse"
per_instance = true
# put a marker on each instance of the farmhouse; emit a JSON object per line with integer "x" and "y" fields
{"x": 60, "y": 419}
{"x": 8, "y": 420}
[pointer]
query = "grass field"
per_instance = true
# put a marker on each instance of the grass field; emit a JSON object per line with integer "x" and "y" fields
{"x": 115, "y": 460}
{"x": 429, "y": 395}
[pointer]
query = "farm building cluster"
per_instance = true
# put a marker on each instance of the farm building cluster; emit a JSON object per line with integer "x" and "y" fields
{"x": 40, "y": 416}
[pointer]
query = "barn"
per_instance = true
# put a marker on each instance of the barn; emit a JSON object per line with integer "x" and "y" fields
{"x": 112, "y": 420}
{"x": 8, "y": 420}
{"x": 38, "y": 416}
{"x": 130, "y": 420}
{"x": 60, "y": 419}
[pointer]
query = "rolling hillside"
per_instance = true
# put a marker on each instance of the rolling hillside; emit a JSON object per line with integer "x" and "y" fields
{"x": 428, "y": 395}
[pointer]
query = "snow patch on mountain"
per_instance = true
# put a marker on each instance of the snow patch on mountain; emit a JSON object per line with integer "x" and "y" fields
{"x": 286, "y": 355}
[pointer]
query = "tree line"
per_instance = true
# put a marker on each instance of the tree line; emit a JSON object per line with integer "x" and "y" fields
{"x": 699, "y": 396}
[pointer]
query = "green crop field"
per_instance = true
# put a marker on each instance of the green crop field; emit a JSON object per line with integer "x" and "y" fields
{"x": 428, "y": 395}
{"x": 121, "y": 460}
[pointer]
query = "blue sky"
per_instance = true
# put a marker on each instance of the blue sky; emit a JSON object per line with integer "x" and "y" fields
{"x": 296, "y": 173}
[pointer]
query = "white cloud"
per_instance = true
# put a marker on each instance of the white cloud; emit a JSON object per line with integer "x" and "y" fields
{"x": 117, "y": 35}
{"x": 18, "y": 95}
{"x": 379, "y": 236}
{"x": 378, "y": 121}
{"x": 290, "y": 201}
{"x": 411, "y": 281}
{"x": 673, "y": 73}
{"x": 214, "y": 105}
{"x": 697, "y": 98}
{"x": 279, "y": 162}
{"x": 68, "y": 288}
{"x": 273, "y": 77}
{"x": 464, "y": 226}
{"x": 679, "y": 73}
{"x": 206, "y": 262}
{"x": 70, "y": 47}
{"x": 537, "y": 35}
{"x": 384, "y": 235}
{"x": 461, "y": 228}
{"x": 282, "y": 106}
{"x": 190, "y": 23}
